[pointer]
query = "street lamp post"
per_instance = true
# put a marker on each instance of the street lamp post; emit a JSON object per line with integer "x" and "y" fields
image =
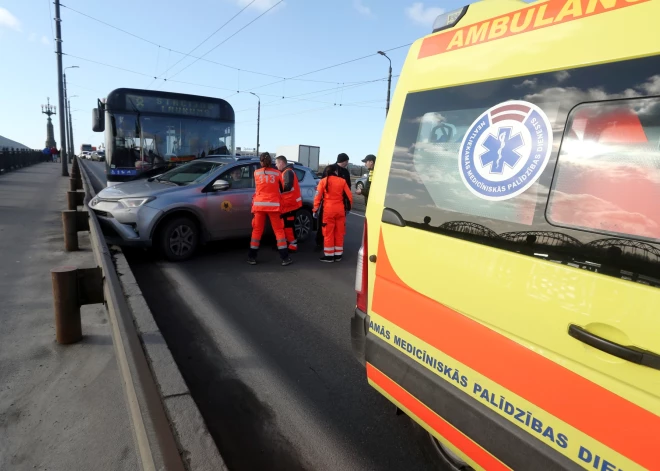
{"x": 60, "y": 87}
{"x": 67, "y": 116}
{"x": 258, "y": 118}
{"x": 73, "y": 153}
{"x": 389, "y": 82}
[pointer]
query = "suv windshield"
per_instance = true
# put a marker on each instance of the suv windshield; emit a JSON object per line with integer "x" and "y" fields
{"x": 189, "y": 173}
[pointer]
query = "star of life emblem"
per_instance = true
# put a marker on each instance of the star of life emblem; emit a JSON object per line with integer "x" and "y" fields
{"x": 505, "y": 150}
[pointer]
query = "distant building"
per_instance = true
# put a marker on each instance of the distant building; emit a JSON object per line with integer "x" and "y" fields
{"x": 4, "y": 142}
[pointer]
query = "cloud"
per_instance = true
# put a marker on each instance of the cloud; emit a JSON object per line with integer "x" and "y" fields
{"x": 652, "y": 86}
{"x": 362, "y": 8}
{"x": 423, "y": 15}
{"x": 527, "y": 84}
{"x": 9, "y": 21}
{"x": 45, "y": 41}
{"x": 561, "y": 76}
{"x": 33, "y": 37}
{"x": 583, "y": 210}
{"x": 577, "y": 95}
{"x": 260, "y": 5}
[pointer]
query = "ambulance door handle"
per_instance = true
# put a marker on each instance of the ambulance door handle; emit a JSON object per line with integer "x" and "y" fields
{"x": 628, "y": 353}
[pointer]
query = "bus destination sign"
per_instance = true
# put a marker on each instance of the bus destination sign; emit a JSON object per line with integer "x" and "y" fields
{"x": 149, "y": 104}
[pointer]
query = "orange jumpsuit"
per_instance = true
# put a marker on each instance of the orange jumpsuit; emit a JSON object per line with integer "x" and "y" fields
{"x": 291, "y": 202}
{"x": 266, "y": 204}
{"x": 332, "y": 190}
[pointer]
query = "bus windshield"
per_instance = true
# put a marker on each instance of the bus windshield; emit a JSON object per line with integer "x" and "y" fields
{"x": 141, "y": 142}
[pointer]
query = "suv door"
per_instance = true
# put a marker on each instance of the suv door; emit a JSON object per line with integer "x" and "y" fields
{"x": 229, "y": 211}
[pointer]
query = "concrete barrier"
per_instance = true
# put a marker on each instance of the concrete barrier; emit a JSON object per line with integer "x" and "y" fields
{"x": 170, "y": 431}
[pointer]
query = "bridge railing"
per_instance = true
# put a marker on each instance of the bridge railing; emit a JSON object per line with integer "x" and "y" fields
{"x": 12, "y": 159}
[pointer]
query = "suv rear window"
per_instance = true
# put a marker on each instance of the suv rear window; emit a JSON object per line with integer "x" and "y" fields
{"x": 563, "y": 165}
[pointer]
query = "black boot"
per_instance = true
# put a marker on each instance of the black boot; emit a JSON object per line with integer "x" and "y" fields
{"x": 252, "y": 256}
{"x": 284, "y": 255}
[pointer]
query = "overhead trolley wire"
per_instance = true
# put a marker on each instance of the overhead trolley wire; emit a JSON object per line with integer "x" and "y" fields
{"x": 187, "y": 54}
{"x": 295, "y": 77}
{"x": 227, "y": 39}
{"x": 280, "y": 78}
{"x": 278, "y": 98}
{"x": 209, "y": 37}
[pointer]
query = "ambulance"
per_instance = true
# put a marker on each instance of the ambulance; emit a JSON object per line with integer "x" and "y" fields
{"x": 508, "y": 284}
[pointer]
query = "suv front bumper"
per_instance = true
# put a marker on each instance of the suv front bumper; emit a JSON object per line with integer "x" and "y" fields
{"x": 126, "y": 226}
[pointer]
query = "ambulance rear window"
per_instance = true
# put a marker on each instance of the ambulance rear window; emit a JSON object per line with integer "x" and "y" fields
{"x": 563, "y": 165}
{"x": 608, "y": 171}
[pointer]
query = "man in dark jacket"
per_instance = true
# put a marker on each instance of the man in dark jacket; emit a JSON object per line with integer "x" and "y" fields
{"x": 342, "y": 171}
{"x": 370, "y": 163}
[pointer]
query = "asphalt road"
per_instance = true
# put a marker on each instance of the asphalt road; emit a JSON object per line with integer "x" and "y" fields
{"x": 266, "y": 353}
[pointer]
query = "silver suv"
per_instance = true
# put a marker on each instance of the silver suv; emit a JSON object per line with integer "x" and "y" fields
{"x": 207, "y": 199}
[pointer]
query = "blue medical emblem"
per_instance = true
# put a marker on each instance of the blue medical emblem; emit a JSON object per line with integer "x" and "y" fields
{"x": 502, "y": 150}
{"x": 505, "y": 150}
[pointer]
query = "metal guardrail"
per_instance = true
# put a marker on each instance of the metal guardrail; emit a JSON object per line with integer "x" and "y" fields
{"x": 12, "y": 159}
{"x": 157, "y": 447}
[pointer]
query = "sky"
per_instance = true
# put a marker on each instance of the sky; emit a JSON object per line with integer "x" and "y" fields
{"x": 293, "y": 38}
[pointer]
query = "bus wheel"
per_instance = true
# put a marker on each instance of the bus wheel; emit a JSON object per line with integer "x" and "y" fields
{"x": 179, "y": 238}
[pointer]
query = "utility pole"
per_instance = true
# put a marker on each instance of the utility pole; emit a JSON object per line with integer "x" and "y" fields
{"x": 258, "y": 118}
{"x": 66, "y": 121}
{"x": 71, "y": 146}
{"x": 389, "y": 83}
{"x": 69, "y": 125}
{"x": 60, "y": 88}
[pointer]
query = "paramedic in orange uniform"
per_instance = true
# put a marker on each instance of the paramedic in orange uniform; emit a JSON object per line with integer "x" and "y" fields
{"x": 266, "y": 204}
{"x": 332, "y": 192}
{"x": 291, "y": 200}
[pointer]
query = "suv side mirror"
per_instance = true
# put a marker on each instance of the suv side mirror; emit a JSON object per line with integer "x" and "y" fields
{"x": 98, "y": 120}
{"x": 220, "y": 185}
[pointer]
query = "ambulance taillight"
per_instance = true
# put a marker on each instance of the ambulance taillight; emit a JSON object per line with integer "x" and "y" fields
{"x": 361, "y": 274}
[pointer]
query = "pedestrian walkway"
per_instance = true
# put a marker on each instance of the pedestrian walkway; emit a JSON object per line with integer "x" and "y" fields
{"x": 61, "y": 407}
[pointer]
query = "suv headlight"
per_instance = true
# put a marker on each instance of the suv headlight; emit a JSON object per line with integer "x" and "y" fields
{"x": 135, "y": 202}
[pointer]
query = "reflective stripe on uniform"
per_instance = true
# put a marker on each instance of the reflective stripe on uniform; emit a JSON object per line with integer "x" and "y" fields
{"x": 265, "y": 203}
{"x": 330, "y": 251}
{"x": 270, "y": 172}
{"x": 298, "y": 200}
{"x": 281, "y": 243}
